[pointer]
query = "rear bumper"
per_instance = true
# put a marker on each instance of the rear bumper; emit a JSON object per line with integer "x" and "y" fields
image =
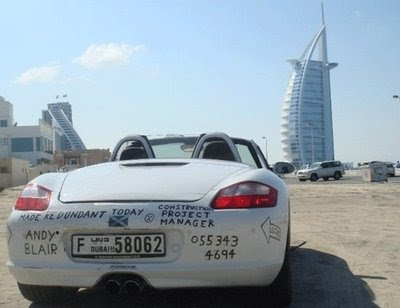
{"x": 250, "y": 244}
{"x": 159, "y": 277}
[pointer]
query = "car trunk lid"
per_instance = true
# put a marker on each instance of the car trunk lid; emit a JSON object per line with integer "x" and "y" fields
{"x": 146, "y": 180}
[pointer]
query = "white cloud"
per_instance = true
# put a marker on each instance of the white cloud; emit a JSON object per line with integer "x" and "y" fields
{"x": 45, "y": 73}
{"x": 102, "y": 55}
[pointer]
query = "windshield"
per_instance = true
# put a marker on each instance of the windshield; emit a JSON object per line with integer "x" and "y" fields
{"x": 314, "y": 165}
{"x": 173, "y": 147}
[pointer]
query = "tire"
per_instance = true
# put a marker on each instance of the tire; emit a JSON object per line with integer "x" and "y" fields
{"x": 281, "y": 289}
{"x": 326, "y": 178}
{"x": 302, "y": 180}
{"x": 45, "y": 294}
{"x": 337, "y": 175}
{"x": 314, "y": 177}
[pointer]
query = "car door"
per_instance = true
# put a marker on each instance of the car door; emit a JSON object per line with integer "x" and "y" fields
{"x": 324, "y": 170}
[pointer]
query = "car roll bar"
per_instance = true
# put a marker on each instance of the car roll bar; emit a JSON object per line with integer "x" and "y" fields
{"x": 214, "y": 137}
{"x": 131, "y": 138}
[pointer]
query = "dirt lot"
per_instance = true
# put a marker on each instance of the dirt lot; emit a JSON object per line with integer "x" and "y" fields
{"x": 349, "y": 257}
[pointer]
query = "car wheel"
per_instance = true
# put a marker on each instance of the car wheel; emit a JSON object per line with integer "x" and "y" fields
{"x": 302, "y": 180}
{"x": 337, "y": 175}
{"x": 45, "y": 294}
{"x": 314, "y": 177}
{"x": 326, "y": 178}
{"x": 281, "y": 289}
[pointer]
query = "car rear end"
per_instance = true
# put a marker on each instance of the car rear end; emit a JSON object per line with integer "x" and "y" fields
{"x": 226, "y": 227}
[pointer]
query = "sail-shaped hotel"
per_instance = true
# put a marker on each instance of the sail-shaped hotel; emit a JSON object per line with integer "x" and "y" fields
{"x": 306, "y": 123}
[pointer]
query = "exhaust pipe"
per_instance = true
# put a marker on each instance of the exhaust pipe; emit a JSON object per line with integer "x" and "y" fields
{"x": 132, "y": 287}
{"x": 113, "y": 286}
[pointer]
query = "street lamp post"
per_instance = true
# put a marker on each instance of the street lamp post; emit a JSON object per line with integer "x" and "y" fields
{"x": 266, "y": 147}
{"x": 397, "y": 99}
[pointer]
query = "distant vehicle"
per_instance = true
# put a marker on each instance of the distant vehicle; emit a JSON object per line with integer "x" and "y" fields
{"x": 151, "y": 218}
{"x": 389, "y": 165}
{"x": 390, "y": 169}
{"x": 374, "y": 171}
{"x": 324, "y": 170}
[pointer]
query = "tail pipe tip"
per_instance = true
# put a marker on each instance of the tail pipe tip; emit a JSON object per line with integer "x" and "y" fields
{"x": 113, "y": 286}
{"x": 132, "y": 287}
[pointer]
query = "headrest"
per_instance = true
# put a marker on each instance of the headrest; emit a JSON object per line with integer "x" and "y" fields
{"x": 133, "y": 153}
{"x": 218, "y": 150}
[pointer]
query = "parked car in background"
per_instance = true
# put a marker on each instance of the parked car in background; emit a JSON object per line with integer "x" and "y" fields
{"x": 390, "y": 169}
{"x": 324, "y": 170}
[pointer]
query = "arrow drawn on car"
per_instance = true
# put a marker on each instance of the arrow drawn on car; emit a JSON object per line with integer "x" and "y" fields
{"x": 270, "y": 230}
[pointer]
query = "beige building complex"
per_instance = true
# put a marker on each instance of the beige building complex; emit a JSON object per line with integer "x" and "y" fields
{"x": 33, "y": 143}
{"x": 73, "y": 159}
{"x": 28, "y": 151}
{"x": 13, "y": 172}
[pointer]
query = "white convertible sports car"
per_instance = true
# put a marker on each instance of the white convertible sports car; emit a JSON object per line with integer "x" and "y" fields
{"x": 164, "y": 213}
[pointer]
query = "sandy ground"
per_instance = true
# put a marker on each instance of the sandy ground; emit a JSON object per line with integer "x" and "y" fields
{"x": 349, "y": 238}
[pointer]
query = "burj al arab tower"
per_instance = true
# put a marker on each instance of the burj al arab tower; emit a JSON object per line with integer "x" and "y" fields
{"x": 306, "y": 122}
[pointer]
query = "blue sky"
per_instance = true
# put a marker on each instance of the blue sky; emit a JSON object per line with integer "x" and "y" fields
{"x": 157, "y": 67}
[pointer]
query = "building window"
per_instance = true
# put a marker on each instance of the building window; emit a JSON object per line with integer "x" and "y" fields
{"x": 42, "y": 161}
{"x": 39, "y": 144}
{"x": 3, "y": 170}
{"x": 48, "y": 145}
{"x": 3, "y": 123}
{"x": 22, "y": 145}
{"x": 72, "y": 161}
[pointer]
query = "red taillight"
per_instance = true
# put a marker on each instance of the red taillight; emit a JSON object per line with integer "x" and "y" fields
{"x": 245, "y": 195}
{"x": 33, "y": 198}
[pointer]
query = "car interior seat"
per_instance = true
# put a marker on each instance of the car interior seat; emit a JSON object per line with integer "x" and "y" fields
{"x": 218, "y": 150}
{"x": 133, "y": 153}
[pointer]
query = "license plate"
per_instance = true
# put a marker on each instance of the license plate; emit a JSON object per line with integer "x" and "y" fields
{"x": 112, "y": 246}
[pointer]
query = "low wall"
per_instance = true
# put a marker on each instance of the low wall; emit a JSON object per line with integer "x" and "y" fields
{"x": 40, "y": 169}
{"x": 5, "y": 180}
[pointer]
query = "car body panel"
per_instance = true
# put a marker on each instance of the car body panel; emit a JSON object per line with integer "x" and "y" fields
{"x": 48, "y": 235}
{"x": 204, "y": 247}
{"x": 146, "y": 180}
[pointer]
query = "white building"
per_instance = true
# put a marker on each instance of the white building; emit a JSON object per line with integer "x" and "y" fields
{"x": 32, "y": 143}
{"x": 306, "y": 122}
